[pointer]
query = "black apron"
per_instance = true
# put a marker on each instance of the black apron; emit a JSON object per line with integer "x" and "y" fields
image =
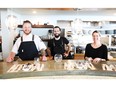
{"x": 27, "y": 50}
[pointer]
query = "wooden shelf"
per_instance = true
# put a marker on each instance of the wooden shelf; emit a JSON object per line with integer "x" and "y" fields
{"x": 45, "y": 40}
{"x": 79, "y": 56}
{"x": 39, "y": 26}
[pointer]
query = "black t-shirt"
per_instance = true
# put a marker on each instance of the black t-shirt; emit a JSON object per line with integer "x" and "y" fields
{"x": 57, "y": 46}
{"x": 100, "y": 52}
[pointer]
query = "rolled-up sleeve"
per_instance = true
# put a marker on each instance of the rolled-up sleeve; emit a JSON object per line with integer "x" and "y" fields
{"x": 16, "y": 46}
{"x": 39, "y": 43}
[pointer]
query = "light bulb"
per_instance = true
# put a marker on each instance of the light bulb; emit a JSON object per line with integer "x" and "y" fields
{"x": 11, "y": 22}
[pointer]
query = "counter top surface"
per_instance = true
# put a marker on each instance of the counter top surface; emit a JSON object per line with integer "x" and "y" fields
{"x": 52, "y": 68}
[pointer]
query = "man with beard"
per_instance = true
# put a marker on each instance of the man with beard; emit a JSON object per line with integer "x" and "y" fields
{"x": 58, "y": 45}
{"x": 27, "y": 46}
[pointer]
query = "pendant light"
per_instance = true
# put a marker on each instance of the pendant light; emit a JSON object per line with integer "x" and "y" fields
{"x": 11, "y": 20}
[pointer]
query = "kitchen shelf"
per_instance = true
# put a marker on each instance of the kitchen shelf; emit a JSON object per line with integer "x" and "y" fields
{"x": 45, "y": 40}
{"x": 39, "y": 26}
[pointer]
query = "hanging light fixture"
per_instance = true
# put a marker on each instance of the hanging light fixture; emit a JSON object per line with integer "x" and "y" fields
{"x": 11, "y": 21}
{"x": 77, "y": 33}
{"x": 78, "y": 26}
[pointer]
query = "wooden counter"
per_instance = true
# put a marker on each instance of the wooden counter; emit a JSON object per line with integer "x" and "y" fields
{"x": 52, "y": 68}
{"x": 81, "y": 57}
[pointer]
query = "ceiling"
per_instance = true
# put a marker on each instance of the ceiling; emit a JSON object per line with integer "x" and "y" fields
{"x": 107, "y": 11}
{"x": 66, "y": 11}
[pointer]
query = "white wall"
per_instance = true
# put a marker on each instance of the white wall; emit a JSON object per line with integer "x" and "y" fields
{"x": 52, "y": 16}
{"x": 47, "y": 16}
{"x": 5, "y": 34}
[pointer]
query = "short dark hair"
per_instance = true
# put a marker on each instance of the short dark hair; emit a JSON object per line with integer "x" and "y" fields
{"x": 27, "y": 21}
{"x": 57, "y": 27}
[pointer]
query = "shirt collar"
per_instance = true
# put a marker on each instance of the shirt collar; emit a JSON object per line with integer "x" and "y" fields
{"x": 27, "y": 35}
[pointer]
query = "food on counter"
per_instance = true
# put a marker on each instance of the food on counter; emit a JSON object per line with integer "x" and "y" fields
{"x": 90, "y": 65}
{"x": 26, "y": 67}
{"x": 109, "y": 67}
{"x": 79, "y": 65}
{"x": 40, "y": 67}
{"x": 12, "y": 68}
{"x": 69, "y": 65}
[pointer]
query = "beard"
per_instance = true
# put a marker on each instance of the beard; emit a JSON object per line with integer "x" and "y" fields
{"x": 27, "y": 33}
{"x": 57, "y": 35}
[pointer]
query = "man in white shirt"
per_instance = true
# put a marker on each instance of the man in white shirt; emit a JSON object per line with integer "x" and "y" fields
{"x": 27, "y": 46}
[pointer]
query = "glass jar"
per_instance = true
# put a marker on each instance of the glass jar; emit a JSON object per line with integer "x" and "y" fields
{"x": 58, "y": 57}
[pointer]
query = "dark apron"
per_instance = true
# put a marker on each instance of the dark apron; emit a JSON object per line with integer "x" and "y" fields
{"x": 27, "y": 50}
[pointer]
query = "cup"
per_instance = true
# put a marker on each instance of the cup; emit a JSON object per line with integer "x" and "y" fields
{"x": 58, "y": 57}
{"x": 36, "y": 60}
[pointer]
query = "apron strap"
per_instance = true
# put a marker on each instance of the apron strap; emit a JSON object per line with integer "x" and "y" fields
{"x": 22, "y": 39}
{"x": 32, "y": 38}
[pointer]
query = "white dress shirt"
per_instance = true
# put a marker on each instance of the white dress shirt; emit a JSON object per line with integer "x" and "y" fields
{"x": 38, "y": 42}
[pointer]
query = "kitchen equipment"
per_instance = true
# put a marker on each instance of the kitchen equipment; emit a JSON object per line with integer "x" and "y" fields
{"x": 113, "y": 53}
{"x": 50, "y": 35}
{"x": 114, "y": 41}
{"x": 79, "y": 49}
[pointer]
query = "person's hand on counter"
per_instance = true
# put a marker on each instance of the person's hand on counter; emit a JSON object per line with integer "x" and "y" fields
{"x": 66, "y": 54}
{"x": 89, "y": 59}
{"x": 10, "y": 57}
{"x": 97, "y": 60}
{"x": 50, "y": 57}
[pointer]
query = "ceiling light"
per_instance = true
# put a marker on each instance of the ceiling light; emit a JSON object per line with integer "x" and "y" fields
{"x": 11, "y": 22}
{"x": 114, "y": 13}
{"x": 34, "y": 12}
